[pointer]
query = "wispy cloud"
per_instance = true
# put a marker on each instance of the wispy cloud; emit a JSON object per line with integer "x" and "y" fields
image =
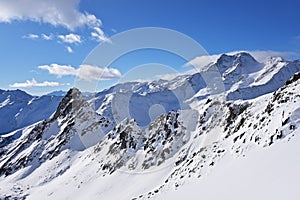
{"x": 86, "y": 72}
{"x": 70, "y": 38}
{"x": 30, "y": 36}
{"x": 59, "y": 70}
{"x": 46, "y": 37}
{"x": 202, "y": 60}
{"x": 99, "y": 35}
{"x": 89, "y": 72}
{"x": 262, "y": 56}
{"x": 69, "y": 49}
{"x": 168, "y": 76}
{"x": 34, "y": 83}
{"x": 35, "y": 36}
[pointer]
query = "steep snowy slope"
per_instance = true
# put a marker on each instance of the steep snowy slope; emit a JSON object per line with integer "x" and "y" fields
{"x": 246, "y": 126}
{"x": 49, "y": 137}
{"x": 269, "y": 173}
{"x": 19, "y": 109}
{"x": 274, "y": 73}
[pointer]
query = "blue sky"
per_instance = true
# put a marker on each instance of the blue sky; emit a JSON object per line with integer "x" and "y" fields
{"x": 44, "y": 43}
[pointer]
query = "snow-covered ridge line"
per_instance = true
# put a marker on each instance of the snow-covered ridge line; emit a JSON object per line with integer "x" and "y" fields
{"x": 105, "y": 154}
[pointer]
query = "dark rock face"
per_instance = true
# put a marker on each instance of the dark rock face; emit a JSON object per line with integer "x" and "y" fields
{"x": 72, "y": 101}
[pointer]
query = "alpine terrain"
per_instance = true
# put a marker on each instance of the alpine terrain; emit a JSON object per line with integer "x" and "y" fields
{"x": 233, "y": 137}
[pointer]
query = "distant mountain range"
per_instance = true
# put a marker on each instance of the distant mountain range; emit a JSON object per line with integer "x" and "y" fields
{"x": 19, "y": 109}
{"x": 141, "y": 140}
{"x": 57, "y": 93}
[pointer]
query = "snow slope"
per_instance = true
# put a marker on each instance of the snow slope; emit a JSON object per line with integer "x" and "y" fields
{"x": 197, "y": 141}
{"x": 265, "y": 173}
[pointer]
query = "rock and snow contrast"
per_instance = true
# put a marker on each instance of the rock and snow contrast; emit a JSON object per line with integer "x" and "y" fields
{"x": 159, "y": 140}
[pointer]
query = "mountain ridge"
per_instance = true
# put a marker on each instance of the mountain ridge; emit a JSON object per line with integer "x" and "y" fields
{"x": 120, "y": 139}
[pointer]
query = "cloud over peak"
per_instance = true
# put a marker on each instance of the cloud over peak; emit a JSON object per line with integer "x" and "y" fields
{"x": 31, "y": 36}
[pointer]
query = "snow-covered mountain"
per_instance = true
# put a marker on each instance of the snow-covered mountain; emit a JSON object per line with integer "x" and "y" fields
{"x": 19, "y": 109}
{"x": 146, "y": 140}
{"x": 57, "y": 93}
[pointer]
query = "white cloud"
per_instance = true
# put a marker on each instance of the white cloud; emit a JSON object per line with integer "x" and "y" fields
{"x": 202, "y": 60}
{"x": 69, "y": 49}
{"x": 46, "y": 37}
{"x": 86, "y": 72}
{"x": 70, "y": 38}
{"x": 55, "y": 12}
{"x": 99, "y": 35}
{"x": 31, "y": 36}
{"x": 34, "y": 83}
{"x": 89, "y": 72}
{"x": 59, "y": 70}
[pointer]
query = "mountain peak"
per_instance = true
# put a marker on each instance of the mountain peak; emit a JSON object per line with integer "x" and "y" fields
{"x": 244, "y": 54}
{"x": 224, "y": 58}
{"x": 69, "y": 103}
{"x": 272, "y": 60}
{"x": 245, "y": 58}
{"x": 73, "y": 90}
{"x": 238, "y": 56}
{"x": 19, "y": 93}
{"x": 186, "y": 130}
{"x": 230, "y": 62}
